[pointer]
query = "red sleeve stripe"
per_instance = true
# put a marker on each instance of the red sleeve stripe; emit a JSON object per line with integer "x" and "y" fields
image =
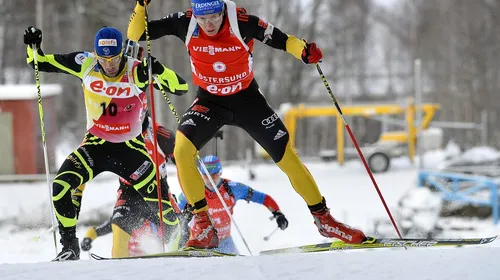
{"x": 164, "y": 132}
{"x": 271, "y": 204}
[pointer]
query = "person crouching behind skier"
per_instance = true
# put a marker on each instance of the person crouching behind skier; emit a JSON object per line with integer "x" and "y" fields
{"x": 231, "y": 191}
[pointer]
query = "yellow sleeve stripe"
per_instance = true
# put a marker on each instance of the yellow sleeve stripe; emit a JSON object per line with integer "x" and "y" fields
{"x": 136, "y": 24}
{"x": 49, "y": 58}
{"x": 294, "y": 46}
{"x": 91, "y": 233}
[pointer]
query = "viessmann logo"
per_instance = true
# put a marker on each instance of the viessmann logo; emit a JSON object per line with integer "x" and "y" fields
{"x": 113, "y": 128}
{"x": 211, "y": 50}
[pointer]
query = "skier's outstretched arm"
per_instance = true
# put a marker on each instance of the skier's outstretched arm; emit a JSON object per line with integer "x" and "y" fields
{"x": 56, "y": 63}
{"x": 254, "y": 27}
{"x": 242, "y": 191}
{"x": 174, "y": 24}
{"x": 94, "y": 232}
{"x": 170, "y": 80}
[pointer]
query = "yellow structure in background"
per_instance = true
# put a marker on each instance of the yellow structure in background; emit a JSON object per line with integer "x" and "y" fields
{"x": 409, "y": 136}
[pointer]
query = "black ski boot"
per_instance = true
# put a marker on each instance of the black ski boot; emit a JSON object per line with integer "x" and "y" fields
{"x": 71, "y": 247}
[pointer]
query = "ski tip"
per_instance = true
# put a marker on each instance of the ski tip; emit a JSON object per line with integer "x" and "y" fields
{"x": 97, "y": 257}
{"x": 191, "y": 249}
{"x": 488, "y": 239}
{"x": 369, "y": 240}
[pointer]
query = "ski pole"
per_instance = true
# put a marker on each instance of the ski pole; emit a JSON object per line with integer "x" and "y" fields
{"x": 215, "y": 143}
{"x": 172, "y": 108}
{"x": 214, "y": 186}
{"x": 332, "y": 96}
{"x": 43, "y": 232}
{"x": 266, "y": 238}
{"x": 167, "y": 98}
{"x": 218, "y": 134}
{"x": 44, "y": 142}
{"x": 153, "y": 118}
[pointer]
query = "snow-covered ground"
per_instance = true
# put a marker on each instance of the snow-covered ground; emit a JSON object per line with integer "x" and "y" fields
{"x": 470, "y": 263}
{"x": 349, "y": 194}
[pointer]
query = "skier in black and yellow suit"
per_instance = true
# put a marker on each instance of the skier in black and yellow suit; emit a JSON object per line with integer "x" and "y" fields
{"x": 114, "y": 92}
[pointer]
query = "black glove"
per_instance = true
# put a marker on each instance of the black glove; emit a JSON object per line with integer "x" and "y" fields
{"x": 33, "y": 36}
{"x": 280, "y": 220}
{"x": 141, "y": 2}
{"x": 86, "y": 244}
{"x": 157, "y": 67}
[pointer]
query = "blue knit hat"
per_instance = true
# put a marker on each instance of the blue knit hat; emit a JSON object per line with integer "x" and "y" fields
{"x": 206, "y": 7}
{"x": 212, "y": 163}
{"x": 108, "y": 42}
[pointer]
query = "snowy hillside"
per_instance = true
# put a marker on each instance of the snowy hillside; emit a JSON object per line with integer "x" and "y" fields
{"x": 347, "y": 189}
{"x": 349, "y": 194}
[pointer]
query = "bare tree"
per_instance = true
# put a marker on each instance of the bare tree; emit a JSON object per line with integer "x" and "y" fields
{"x": 368, "y": 56}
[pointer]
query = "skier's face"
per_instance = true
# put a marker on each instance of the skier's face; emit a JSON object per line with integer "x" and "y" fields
{"x": 110, "y": 65}
{"x": 215, "y": 178}
{"x": 210, "y": 23}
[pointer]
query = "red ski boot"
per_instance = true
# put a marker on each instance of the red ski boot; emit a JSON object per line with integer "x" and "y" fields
{"x": 329, "y": 227}
{"x": 203, "y": 234}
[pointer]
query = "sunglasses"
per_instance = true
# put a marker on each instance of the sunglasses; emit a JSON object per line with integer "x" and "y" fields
{"x": 212, "y": 19}
{"x": 112, "y": 59}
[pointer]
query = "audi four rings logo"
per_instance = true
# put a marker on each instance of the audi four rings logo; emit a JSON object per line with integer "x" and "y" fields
{"x": 219, "y": 66}
{"x": 270, "y": 120}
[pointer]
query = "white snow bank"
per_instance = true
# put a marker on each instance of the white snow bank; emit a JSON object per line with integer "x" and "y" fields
{"x": 387, "y": 264}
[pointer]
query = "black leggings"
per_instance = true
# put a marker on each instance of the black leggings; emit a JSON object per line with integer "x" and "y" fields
{"x": 131, "y": 210}
{"x": 128, "y": 159}
{"x": 247, "y": 109}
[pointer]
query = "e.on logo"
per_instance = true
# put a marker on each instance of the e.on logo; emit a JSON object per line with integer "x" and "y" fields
{"x": 98, "y": 87}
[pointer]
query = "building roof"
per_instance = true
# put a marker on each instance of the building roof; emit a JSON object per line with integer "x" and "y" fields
{"x": 28, "y": 91}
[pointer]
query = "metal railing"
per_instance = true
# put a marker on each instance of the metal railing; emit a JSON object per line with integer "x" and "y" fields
{"x": 463, "y": 188}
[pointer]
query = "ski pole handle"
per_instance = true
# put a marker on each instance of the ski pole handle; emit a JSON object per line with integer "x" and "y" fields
{"x": 266, "y": 238}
